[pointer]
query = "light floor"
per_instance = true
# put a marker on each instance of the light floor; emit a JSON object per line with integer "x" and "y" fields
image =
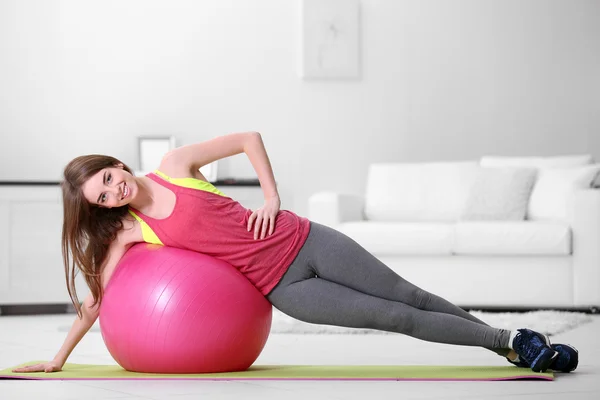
{"x": 39, "y": 337}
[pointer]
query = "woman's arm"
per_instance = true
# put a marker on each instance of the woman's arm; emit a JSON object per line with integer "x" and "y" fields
{"x": 186, "y": 159}
{"x": 257, "y": 154}
{"x": 89, "y": 313}
{"x": 78, "y": 330}
{"x": 192, "y": 157}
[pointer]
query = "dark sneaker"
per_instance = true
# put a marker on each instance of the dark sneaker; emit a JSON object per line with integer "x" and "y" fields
{"x": 524, "y": 364}
{"x": 567, "y": 360}
{"x": 533, "y": 350}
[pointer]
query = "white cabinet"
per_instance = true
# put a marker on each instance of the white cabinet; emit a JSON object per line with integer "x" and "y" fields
{"x": 31, "y": 266}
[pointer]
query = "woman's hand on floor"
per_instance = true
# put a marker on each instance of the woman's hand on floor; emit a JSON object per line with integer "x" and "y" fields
{"x": 50, "y": 366}
{"x": 264, "y": 218}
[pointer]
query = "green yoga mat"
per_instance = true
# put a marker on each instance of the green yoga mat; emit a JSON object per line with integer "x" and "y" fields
{"x": 299, "y": 372}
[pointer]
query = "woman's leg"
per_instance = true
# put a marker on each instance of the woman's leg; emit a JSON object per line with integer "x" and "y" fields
{"x": 316, "y": 300}
{"x": 338, "y": 258}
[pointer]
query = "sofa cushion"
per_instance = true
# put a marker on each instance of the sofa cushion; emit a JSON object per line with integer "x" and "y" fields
{"x": 557, "y": 180}
{"x": 537, "y": 162}
{"x": 428, "y": 192}
{"x": 500, "y": 194}
{"x": 554, "y": 191}
{"x": 400, "y": 238}
{"x": 512, "y": 238}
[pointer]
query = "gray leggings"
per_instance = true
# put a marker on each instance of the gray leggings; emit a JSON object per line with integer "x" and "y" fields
{"x": 335, "y": 281}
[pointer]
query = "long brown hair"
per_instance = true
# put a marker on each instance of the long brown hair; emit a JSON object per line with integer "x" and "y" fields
{"x": 88, "y": 230}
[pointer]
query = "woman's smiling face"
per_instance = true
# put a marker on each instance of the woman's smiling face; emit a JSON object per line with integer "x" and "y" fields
{"x": 110, "y": 187}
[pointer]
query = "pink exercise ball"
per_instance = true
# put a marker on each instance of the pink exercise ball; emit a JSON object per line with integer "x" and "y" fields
{"x": 169, "y": 310}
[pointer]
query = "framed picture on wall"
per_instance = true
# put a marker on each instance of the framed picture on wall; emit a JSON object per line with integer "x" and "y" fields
{"x": 330, "y": 39}
{"x": 152, "y": 149}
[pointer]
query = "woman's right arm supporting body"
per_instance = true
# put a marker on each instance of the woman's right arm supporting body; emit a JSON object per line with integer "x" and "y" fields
{"x": 81, "y": 326}
{"x": 90, "y": 314}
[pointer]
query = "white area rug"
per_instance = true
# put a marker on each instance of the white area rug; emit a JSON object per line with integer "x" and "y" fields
{"x": 547, "y": 322}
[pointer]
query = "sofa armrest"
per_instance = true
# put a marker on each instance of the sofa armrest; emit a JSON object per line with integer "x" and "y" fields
{"x": 331, "y": 209}
{"x": 586, "y": 248}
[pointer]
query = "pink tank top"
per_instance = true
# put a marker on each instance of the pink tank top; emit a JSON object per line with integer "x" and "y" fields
{"x": 216, "y": 225}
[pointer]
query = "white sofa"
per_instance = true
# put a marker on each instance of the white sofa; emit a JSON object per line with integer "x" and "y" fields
{"x": 412, "y": 217}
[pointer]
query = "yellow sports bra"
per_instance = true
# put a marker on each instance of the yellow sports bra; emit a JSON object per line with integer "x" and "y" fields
{"x": 191, "y": 183}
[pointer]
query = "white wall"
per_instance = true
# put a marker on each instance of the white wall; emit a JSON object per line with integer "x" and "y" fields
{"x": 440, "y": 80}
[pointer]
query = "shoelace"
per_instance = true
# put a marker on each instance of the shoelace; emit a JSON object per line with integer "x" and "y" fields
{"x": 530, "y": 347}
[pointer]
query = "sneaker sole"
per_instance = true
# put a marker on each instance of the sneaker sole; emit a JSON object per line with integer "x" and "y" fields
{"x": 543, "y": 361}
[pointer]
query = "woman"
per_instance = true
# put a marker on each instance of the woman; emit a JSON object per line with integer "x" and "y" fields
{"x": 306, "y": 270}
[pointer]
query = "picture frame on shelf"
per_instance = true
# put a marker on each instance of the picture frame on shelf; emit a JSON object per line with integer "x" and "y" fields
{"x": 151, "y": 150}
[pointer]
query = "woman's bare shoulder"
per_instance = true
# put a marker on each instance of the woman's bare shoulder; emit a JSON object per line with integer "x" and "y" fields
{"x": 174, "y": 168}
{"x": 131, "y": 232}
{"x": 126, "y": 237}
